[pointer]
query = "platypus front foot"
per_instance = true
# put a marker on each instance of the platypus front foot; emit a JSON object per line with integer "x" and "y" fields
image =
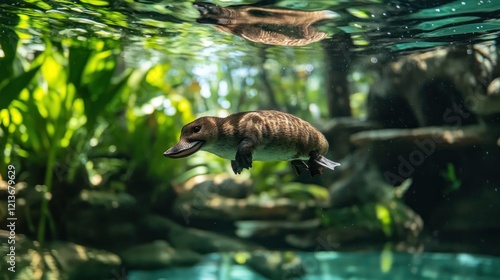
{"x": 317, "y": 162}
{"x": 243, "y": 157}
{"x": 236, "y": 167}
{"x": 241, "y": 162}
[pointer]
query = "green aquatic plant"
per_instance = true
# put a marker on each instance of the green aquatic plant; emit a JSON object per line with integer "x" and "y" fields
{"x": 51, "y": 110}
{"x": 453, "y": 183}
{"x": 38, "y": 121}
{"x": 85, "y": 88}
{"x": 380, "y": 217}
{"x": 384, "y": 217}
{"x": 148, "y": 130}
{"x": 13, "y": 80}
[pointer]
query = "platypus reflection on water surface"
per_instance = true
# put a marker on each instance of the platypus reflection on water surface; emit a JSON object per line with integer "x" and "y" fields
{"x": 257, "y": 135}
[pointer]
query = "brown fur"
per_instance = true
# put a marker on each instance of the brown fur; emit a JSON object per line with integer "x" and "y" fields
{"x": 275, "y": 129}
{"x": 257, "y": 135}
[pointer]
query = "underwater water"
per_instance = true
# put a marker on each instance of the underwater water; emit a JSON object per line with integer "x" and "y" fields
{"x": 93, "y": 92}
{"x": 328, "y": 265}
{"x": 150, "y": 30}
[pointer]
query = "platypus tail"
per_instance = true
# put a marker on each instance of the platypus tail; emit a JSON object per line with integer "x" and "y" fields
{"x": 317, "y": 162}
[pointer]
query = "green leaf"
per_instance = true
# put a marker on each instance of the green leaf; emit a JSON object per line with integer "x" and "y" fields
{"x": 104, "y": 99}
{"x": 36, "y": 128}
{"x": 4, "y": 129}
{"x": 98, "y": 73}
{"x": 8, "y": 44}
{"x": 78, "y": 59}
{"x": 384, "y": 216}
{"x": 13, "y": 88}
{"x": 96, "y": 88}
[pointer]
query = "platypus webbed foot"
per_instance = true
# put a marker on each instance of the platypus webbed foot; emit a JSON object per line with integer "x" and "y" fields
{"x": 243, "y": 157}
{"x": 314, "y": 167}
{"x": 317, "y": 162}
{"x": 236, "y": 167}
{"x": 240, "y": 163}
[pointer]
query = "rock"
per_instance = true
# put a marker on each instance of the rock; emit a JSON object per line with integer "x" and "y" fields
{"x": 221, "y": 184}
{"x": 58, "y": 260}
{"x": 156, "y": 255}
{"x": 192, "y": 239}
{"x": 494, "y": 87}
{"x": 419, "y": 89}
{"x": 441, "y": 137}
{"x": 371, "y": 222}
{"x": 364, "y": 182}
{"x": 195, "y": 207}
{"x": 156, "y": 227}
{"x": 339, "y": 131}
{"x": 80, "y": 262}
{"x": 205, "y": 242}
{"x": 104, "y": 220}
{"x": 263, "y": 229}
{"x": 277, "y": 265}
{"x": 486, "y": 105}
{"x": 365, "y": 185}
{"x": 106, "y": 201}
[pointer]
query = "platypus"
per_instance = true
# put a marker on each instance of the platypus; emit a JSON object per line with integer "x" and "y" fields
{"x": 264, "y": 135}
{"x": 266, "y": 25}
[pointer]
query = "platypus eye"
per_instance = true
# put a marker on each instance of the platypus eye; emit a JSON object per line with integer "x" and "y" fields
{"x": 196, "y": 129}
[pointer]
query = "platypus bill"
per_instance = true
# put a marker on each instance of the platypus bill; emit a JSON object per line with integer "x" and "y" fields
{"x": 257, "y": 135}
